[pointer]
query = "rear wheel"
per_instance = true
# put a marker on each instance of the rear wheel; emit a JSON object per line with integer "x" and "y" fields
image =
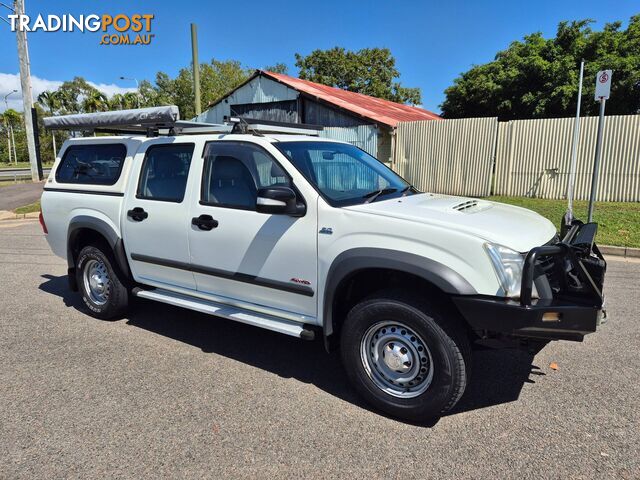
{"x": 103, "y": 291}
{"x": 407, "y": 358}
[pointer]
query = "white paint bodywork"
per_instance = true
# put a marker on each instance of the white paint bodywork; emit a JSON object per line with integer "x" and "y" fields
{"x": 280, "y": 247}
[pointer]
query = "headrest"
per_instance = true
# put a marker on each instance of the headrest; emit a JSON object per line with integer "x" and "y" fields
{"x": 229, "y": 168}
{"x": 167, "y": 164}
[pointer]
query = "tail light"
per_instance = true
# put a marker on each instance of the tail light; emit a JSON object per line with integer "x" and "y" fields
{"x": 42, "y": 224}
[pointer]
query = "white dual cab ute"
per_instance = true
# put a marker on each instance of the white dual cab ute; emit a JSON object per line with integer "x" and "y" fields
{"x": 271, "y": 225}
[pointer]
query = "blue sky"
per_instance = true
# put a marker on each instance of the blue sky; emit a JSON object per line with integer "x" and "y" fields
{"x": 432, "y": 41}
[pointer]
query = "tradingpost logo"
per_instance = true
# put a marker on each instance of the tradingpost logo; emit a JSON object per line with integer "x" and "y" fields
{"x": 119, "y": 29}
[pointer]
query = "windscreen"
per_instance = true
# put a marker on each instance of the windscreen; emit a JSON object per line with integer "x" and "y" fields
{"x": 344, "y": 174}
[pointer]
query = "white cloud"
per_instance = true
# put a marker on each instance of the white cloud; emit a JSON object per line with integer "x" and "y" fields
{"x": 10, "y": 82}
{"x": 110, "y": 88}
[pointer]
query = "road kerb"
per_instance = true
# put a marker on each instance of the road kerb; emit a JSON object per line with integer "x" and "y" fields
{"x": 7, "y": 215}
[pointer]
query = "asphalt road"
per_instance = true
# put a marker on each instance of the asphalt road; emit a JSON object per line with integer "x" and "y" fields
{"x": 168, "y": 393}
{"x": 19, "y": 195}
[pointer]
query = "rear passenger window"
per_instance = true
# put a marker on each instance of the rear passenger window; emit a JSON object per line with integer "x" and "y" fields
{"x": 165, "y": 171}
{"x": 95, "y": 164}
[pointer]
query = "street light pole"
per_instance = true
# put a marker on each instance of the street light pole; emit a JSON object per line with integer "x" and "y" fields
{"x": 568, "y": 218}
{"x": 137, "y": 89}
{"x": 6, "y": 123}
{"x": 27, "y": 98}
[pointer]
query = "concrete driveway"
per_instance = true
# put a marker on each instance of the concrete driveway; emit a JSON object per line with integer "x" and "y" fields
{"x": 168, "y": 393}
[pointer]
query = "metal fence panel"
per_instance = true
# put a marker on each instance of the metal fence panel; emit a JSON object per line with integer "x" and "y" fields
{"x": 449, "y": 156}
{"x": 533, "y": 158}
{"x": 363, "y": 136}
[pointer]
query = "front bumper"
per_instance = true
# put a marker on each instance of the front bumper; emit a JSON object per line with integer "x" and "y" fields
{"x": 569, "y": 276}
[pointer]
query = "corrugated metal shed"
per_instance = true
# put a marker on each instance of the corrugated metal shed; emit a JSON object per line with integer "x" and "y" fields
{"x": 255, "y": 90}
{"x": 363, "y": 136}
{"x": 375, "y": 109}
{"x": 371, "y": 109}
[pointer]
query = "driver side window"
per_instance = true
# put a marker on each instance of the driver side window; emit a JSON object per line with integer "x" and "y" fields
{"x": 234, "y": 172}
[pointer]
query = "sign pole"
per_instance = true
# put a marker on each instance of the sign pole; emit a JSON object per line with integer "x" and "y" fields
{"x": 596, "y": 162}
{"x": 574, "y": 153}
{"x": 603, "y": 90}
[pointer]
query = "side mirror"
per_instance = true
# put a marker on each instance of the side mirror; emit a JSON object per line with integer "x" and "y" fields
{"x": 279, "y": 200}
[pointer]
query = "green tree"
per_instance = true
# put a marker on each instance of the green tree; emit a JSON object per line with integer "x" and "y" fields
{"x": 50, "y": 101}
{"x": 538, "y": 77}
{"x": 147, "y": 94}
{"x": 278, "y": 68}
{"x": 95, "y": 101}
{"x": 370, "y": 71}
{"x": 216, "y": 79}
{"x": 73, "y": 93}
{"x": 116, "y": 102}
{"x": 14, "y": 126}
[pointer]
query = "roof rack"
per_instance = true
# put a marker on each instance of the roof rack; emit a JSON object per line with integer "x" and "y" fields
{"x": 250, "y": 125}
{"x": 156, "y": 121}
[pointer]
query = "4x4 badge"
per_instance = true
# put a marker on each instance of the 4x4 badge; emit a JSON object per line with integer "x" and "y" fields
{"x": 326, "y": 231}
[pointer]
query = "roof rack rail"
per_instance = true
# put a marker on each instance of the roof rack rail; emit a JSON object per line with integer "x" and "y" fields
{"x": 154, "y": 121}
{"x": 250, "y": 125}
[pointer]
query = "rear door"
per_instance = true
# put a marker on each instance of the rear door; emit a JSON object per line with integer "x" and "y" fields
{"x": 156, "y": 217}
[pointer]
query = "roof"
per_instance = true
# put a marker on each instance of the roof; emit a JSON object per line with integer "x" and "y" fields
{"x": 375, "y": 109}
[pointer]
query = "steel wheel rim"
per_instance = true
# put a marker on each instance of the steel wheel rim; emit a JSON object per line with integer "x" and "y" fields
{"x": 396, "y": 359}
{"x": 96, "y": 281}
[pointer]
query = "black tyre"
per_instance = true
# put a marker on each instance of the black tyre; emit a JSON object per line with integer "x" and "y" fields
{"x": 102, "y": 289}
{"x": 408, "y": 358}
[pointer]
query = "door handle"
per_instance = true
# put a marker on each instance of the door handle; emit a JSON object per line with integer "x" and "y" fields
{"x": 137, "y": 214}
{"x": 204, "y": 222}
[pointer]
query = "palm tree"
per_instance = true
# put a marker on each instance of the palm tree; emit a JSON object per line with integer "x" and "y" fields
{"x": 131, "y": 100}
{"x": 50, "y": 101}
{"x": 68, "y": 101}
{"x": 96, "y": 101}
{"x": 116, "y": 102}
{"x": 12, "y": 118}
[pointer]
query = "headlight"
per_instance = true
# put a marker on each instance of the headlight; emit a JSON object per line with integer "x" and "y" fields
{"x": 508, "y": 265}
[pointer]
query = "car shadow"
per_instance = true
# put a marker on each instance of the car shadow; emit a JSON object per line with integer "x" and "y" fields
{"x": 498, "y": 375}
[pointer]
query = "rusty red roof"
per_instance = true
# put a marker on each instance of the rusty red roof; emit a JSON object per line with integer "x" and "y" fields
{"x": 375, "y": 109}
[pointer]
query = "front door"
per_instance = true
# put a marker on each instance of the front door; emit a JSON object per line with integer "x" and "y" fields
{"x": 250, "y": 259}
{"x": 156, "y": 216}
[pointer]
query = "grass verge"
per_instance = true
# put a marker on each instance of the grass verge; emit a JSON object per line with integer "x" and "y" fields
{"x": 34, "y": 207}
{"x": 6, "y": 165}
{"x": 618, "y": 222}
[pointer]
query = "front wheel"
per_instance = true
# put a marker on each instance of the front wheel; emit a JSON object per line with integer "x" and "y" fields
{"x": 407, "y": 358}
{"x": 102, "y": 290}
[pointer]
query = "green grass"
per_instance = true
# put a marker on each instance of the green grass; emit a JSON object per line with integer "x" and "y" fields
{"x": 34, "y": 207}
{"x": 618, "y": 223}
{"x": 5, "y": 165}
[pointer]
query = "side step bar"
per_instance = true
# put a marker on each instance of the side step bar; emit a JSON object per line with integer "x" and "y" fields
{"x": 306, "y": 332}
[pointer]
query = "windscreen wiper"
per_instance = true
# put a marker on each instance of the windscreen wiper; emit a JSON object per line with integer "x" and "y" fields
{"x": 371, "y": 196}
{"x": 406, "y": 190}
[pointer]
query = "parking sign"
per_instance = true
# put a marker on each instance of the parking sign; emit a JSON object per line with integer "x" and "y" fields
{"x": 603, "y": 84}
